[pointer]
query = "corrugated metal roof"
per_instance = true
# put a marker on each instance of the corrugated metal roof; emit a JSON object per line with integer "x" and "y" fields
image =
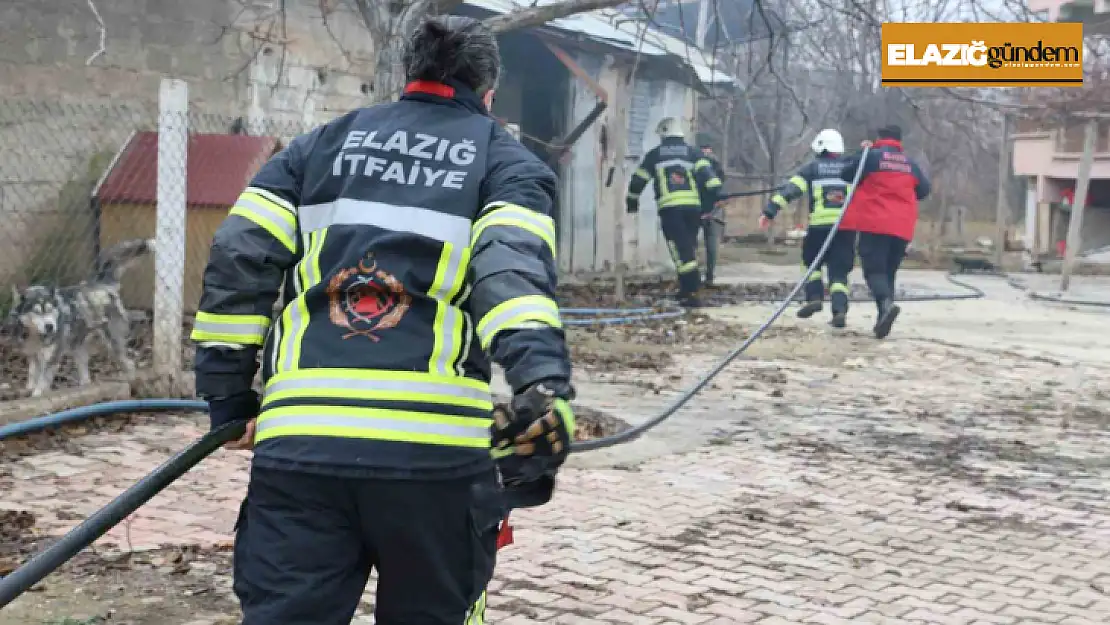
{"x": 616, "y": 29}
{"x": 219, "y": 166}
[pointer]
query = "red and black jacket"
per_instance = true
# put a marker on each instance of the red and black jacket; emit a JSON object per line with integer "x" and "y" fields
{"x": 885, "y": 200}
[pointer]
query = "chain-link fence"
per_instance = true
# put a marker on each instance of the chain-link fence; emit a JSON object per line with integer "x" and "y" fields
{"x": 81, "y": 185}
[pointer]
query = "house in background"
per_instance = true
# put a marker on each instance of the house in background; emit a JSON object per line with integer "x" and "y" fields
{"x": 1048, "y": 158}
{"x": 218, "y": 166}
{"x": 586, "y": 94}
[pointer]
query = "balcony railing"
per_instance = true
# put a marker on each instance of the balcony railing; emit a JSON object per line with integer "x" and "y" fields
{"x": 1070, "y": 138}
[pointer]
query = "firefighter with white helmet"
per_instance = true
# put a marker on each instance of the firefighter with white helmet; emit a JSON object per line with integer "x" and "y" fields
{"x": 820, "y": 179}
{"x": 685, "y": 182}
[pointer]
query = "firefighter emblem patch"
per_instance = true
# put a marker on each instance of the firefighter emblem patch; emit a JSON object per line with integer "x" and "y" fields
{"x": 365, "y": 299}
{"x": 678, "y": 177}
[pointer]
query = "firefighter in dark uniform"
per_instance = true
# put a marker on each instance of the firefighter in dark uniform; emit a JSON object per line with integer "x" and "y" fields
{"x": 884, "y": 212}
{"x": 412, "y": 242}
{"x": 713, "y": 215}
{"x": 685, "y": 184}
{"x": 820, "y": 180}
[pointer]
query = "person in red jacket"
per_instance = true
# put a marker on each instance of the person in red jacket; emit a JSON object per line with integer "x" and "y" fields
{"x": 884, "y": 212}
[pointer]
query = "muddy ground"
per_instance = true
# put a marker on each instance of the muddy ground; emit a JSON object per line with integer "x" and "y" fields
{"x": 794, "y": 369}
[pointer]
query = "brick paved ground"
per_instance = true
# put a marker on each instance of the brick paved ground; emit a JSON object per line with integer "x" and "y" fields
{"x": 836, "y": 480}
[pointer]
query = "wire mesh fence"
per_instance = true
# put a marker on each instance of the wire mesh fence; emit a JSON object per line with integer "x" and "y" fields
{"x": 104, "y": 205}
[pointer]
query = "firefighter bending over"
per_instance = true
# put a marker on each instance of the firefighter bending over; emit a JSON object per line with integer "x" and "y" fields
{"x": 685, "y": 186}
{"x": 821, "y": 181}
{"x": 415, "y": 243}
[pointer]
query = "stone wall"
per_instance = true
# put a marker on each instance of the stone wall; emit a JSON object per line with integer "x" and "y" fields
{"x": 62, "y": 115}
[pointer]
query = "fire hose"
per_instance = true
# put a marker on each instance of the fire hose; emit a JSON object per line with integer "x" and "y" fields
{"x": 97, "y": 524}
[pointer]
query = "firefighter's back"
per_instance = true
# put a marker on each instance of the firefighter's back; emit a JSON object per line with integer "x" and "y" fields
{"x": 373, "y": 349}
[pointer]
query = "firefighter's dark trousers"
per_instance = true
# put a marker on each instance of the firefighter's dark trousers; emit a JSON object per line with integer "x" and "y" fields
{"x": 711, "y": 228}
{"x": 836, "y": 265}
{"x": 305, "y": 545}
{"x": 680, "y": 228}
{"x": 881, "y": 255}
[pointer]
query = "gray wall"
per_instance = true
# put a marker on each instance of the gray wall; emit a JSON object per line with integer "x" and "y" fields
{"x": 61, "y": 119}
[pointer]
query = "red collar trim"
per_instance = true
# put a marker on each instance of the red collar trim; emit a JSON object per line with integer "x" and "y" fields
{"x": 431, "y": 88}
{"x": 888, "y": 142}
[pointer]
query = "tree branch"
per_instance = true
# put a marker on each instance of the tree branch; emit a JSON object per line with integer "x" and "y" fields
{"x": 103, "y": 34}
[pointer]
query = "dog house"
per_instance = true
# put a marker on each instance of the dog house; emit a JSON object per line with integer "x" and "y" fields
{"x": 218, "y": 168}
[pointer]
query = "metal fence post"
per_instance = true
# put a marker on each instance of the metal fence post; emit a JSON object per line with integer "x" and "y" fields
{"x": 169, "y": 248}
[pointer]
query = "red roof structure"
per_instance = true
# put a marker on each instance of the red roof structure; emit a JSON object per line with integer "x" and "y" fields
{"x": 219, "y": 167}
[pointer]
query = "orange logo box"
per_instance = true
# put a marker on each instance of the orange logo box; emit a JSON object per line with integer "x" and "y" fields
{"x": 982, "y": 55}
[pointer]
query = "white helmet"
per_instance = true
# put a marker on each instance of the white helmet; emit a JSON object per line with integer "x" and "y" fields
{"x": 828, "y": 140}
{"x": 669, "y": 127}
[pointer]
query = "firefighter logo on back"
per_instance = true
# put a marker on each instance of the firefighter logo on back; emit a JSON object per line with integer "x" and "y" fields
{"x": 834, "y": 198}
{"x": 365, "y": 299}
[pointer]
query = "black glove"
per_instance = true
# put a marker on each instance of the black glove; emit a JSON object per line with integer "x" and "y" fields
{"x": 631, "y": 205}
{"x": 538, "y": 422}
{"x": 238, "y": 407}
{"x": 531, "y": 440}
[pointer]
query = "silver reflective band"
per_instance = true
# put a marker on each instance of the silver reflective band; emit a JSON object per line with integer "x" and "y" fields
{"x": 443, "y": 389}
{"x": 273, "y": 198}
{"x": 251, "y": 330}
{"x": 297, "y": 320}
{"x": 376, "y": 423}
{"x": 830, "y": 182}
{"x": 276, "y": 216}
{"x": 451, "y": 330}
{"x": 492, "y": 326}
{"x": 423, "y": 221}
{"x": 675, "y": 161}
{"x": 546, "y": 226}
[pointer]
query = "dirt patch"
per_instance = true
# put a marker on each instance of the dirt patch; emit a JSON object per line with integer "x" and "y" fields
{"x": 650, "y": 345}
{"x": 165, "y": 587}
{"x": 649, "y": 293}
{"x": 66, "y": 438}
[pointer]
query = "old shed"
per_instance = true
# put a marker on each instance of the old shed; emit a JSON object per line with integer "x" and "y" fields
{"x": 587, "y": 92}
{"x": 219, "y": 167}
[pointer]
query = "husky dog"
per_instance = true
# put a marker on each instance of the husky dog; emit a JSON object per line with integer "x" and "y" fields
{"x": 57, "y": 321}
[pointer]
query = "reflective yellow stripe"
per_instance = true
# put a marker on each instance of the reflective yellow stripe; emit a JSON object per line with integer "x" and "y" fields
{"x": 448, "y": 327}
{"x": 563, "y": 409}
{"x": 477, "y": 613}
{"x": 688, "y": 267}
{"x": 269, "y": 215}
{"x": 642, "y": 173}
{"x": 379, "y": 385}
{"x": 779, "y": 201}
{"x": 273, "y": 197}
{"x": 816, "y": 276}
{"x": 374, "y": 423}
{"x": 511, "y": 215}
{"x": 823, "y": 216}
{"x": 679, "y": 198}
{"x": 237, "y": 329}
{"x": 799, "y": 182}
{"x": 837, "y": 287}
{"x": 519, "y": 312}
{"x": 294, "y": 320}
{"x": 713, "y": 183}
{"x": 702, "y": 163}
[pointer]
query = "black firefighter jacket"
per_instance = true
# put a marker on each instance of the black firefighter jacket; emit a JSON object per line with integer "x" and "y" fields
{"x": 682, "y": 177}
{"x": 412, "y": 239}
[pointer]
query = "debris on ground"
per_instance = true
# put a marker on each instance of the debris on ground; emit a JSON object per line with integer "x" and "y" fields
{"x": 16, "y": 536}
{"x": 648, "y": 345}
